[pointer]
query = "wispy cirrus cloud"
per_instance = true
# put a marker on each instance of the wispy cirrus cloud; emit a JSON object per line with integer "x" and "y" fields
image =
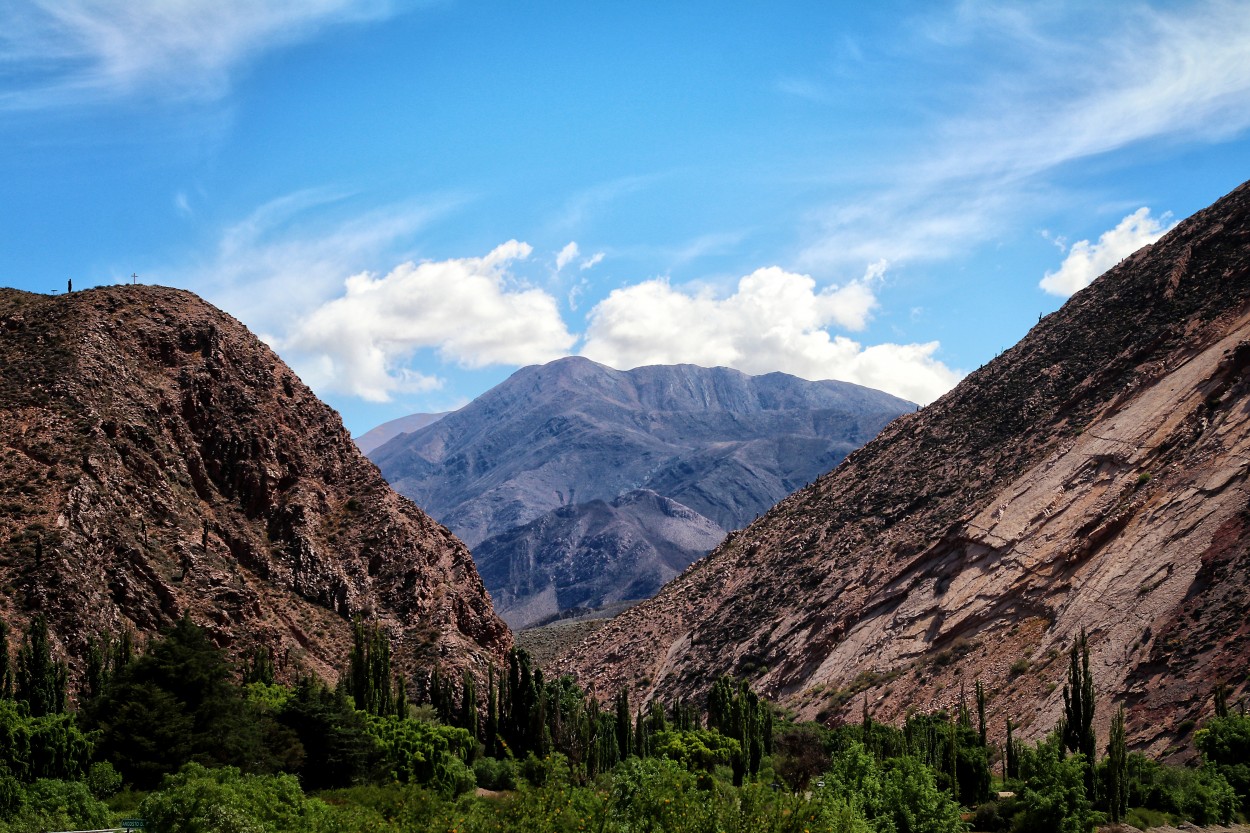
{"x": 291, "y": 254}
{"x": 56, "y": 53}
{"x": 1074, "y": 82}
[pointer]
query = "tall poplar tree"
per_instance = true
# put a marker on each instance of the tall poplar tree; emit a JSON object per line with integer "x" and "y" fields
{"x": 624, "y": 724}
{"x": 1117, "y": 768}
{"x": 1078, "y": 711}
{"x": 981, "y": 713}
{"x": 1012, "y": 761}
{"x": 6, "y": 669}
{"x": 41, "y": 680}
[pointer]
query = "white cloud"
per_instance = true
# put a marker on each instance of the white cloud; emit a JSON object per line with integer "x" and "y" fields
{"x": 1086, "y": 261}
{"x": 566, "y": 256}
{"x": 79, "y": 51}
{"x": 1058, "y": 241}
{"x": 1073, "y": 82}
{"x": 290, "y": 255}
{"x": 776, "y": 320}
{"x": 469, "y": 310}
{"x": 592, "y": 261}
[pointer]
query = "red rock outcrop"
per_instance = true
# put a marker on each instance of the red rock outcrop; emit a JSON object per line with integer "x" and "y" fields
{"x": 157, "y": 459}
{"x": 1093, "y": 476}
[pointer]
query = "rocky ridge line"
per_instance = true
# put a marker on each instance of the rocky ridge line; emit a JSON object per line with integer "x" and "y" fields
{"x": 1093, "y": 476}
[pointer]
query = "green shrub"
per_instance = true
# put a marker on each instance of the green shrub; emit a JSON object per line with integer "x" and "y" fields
{"x": 103, "y": 780}
{"x": 1225, "y": 746}
{"x": 1202, "y": 796}
{"x": 227, "y": 801}
{"x": 495, "y": 774}
{"x": 59, "y": 805}
{"x": 1145, "y": 819}
{"x": 1053, "y": 798}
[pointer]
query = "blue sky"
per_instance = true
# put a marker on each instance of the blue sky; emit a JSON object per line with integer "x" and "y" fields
{"x": 411, "y": 200}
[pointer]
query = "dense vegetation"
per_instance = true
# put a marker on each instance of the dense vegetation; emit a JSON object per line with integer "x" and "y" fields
{"x": 174, "y": 735}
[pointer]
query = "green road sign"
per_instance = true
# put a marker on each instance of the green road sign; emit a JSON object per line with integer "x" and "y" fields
{"x": 132, "y": 824}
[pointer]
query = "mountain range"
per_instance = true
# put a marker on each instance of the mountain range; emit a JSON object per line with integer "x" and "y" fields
{"x": 1092, "y": 478}
{"x": 578, "y": 485}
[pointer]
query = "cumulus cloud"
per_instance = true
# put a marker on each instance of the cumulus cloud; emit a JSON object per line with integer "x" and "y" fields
{"x": 290, "y": 255}
{"x": 470, "y": 311}
{"x": 76, "y": 51}
{"x": 1086, "y": 260}
{"x": 592, "y": 261}
{"x": 775, "y": 320}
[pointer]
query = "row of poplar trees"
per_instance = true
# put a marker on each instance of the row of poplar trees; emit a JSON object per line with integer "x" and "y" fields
{"x": 524, "y": 714}
{"x": 36, "y": 679}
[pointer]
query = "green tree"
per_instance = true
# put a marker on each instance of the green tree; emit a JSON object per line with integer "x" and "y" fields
{"x": 414, "y": 751}
{"x": 52, "y": 804}
{"x": 369, "y": 670}
{"x": 6, "y": 668}
{"x": 736, "y": 711}
{"x": 981, "y": 715}
{"x": 1225, "y": 746}
{"x": 337, "y": 749}
{"x": 624, "y": 724}
{"x": 178, "y": 703}
{"x": 1011, "y": 765}
{"x": 225, "y": 800}
{"x": 50, "y": 746}
{"x": 468, "y": 717}
{"x": 696, "y": 749}
{"x": 898, "y": 795}
{"x": 1117, "y": 768}
{"x": 259, "y": 666}
{"x": 1078, "y": 711}
{"x": 1200, "y": 795}
{"x": 41, "y": 680}
{"x": 1053, "y": 797}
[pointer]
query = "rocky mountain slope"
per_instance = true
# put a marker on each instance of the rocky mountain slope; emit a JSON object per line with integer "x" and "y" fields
{"x": 589, "y": 555}
{"x": 573, "y": 433}
{"x": 1093, "y": 476}
{"x": 157, "y": 459}
{"x": 381, "y": 434}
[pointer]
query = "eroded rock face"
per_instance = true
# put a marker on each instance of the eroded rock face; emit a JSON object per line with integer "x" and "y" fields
{"x": 590, "y": 555}
{"x": 1093, "y": 476}
{"x": 158, "y": 459}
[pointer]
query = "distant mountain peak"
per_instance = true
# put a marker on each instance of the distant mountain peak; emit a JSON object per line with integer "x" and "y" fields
{"x": 574, "y": 438}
